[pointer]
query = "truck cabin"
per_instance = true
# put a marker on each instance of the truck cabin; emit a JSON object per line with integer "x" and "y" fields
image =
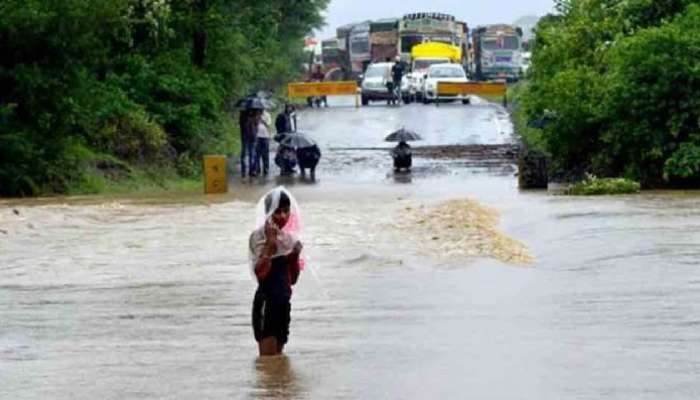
{"x": 360, "y": 48}
{"x": 500, "y": 42}
{"x": 418, "y": 28}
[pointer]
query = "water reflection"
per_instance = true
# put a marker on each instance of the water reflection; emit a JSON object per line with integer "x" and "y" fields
{"x": 403, "y": 177}
{"x": 276, "y": 378}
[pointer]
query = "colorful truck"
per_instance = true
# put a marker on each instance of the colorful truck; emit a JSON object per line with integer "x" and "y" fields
{"x": 384, "y": 39}
{"x": 497, "y": 52}
{"x": 420, "y": 28}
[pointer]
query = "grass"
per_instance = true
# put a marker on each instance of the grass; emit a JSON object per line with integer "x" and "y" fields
{"x": 139, "y": 182}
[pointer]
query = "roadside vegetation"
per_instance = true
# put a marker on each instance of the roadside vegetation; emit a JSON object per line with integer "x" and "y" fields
{"x": 104, "y": 94}
{"x": 613, "y": 91}
{"x": 592, "y": 185}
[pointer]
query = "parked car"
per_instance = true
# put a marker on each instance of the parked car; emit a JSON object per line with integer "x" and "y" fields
{"x": 374, "y": 80}
{"x": 443, "y": 73}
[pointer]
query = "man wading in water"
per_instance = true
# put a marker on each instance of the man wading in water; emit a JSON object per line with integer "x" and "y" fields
{"x": 274, "y": 256}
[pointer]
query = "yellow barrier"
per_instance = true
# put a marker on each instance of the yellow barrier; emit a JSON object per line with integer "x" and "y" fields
{"x": 475, "y": 88}
{"x": 215, "y": 178}
{"x": 308, "y": 89}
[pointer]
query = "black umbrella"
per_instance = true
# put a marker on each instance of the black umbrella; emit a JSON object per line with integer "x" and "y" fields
{"x": 402, "y": 135}
{"x": 254, "y": 103}
{"x": 297, "y": 140}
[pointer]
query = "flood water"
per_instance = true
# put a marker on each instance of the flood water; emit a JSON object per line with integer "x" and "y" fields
{"x": 151, "y": 297}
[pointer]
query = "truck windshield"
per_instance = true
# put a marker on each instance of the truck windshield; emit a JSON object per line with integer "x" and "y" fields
{"x": 331, "y": 56}
{"x": 376, "y": 71}
{"x": 408, "y": 41}
{"x": 503, "y": 42}
{"x": 446, "y": 72}
{"x": 360, "y": 47}
{"x": 424, "y": 64}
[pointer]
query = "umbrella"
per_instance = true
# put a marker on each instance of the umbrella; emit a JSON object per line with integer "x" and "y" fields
{"x": 254, "y": 103}
{"x": 297, "y": 141}
{"x": 402, "y": 135}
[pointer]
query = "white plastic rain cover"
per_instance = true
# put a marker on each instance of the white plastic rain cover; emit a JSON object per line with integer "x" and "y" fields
{"x": 288, "y": 235}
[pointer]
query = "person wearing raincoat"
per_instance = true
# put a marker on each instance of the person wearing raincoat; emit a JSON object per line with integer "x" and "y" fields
{"x": 275, "y": 262}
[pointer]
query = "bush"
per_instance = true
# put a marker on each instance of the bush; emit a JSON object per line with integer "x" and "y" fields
{"x": 86, "y": 85}
{"x": 684, "y": 163}
{"x": 599, "y": 186}
{"x": 621, "y": 82}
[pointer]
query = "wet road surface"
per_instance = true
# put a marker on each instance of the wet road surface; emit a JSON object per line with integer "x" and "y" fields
{"x": 151, "y": 298}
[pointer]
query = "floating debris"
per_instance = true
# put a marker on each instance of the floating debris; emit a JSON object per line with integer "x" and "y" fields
{"x": 462, "y": 229}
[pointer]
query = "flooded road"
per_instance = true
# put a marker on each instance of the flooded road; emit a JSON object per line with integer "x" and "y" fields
{"x": 151, "y": 298}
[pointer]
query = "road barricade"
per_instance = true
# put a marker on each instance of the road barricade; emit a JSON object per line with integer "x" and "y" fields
{"x": 448, "y": 90}
{"x": 215, "y": 177}
{"x": 311, "y": 89}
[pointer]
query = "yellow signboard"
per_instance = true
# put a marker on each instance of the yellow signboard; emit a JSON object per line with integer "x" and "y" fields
{"x": 309, "y": 89}
{"x": 215, "y": 178}
{"x": 475, "y": 88}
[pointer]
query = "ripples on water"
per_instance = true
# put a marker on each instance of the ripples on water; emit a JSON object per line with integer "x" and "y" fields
{"x": 144, "y": 299}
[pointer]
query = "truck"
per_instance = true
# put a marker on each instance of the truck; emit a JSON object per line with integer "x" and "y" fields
{"x": 384, "y": 39}
{"x": 359, "y": 49}
{"x": 420, "y": 28}
{"x": 422, "y": 57}
{"x": 497, "y": 52}
{"x": 343, "y": 37}
{"x": 334, "y": 61}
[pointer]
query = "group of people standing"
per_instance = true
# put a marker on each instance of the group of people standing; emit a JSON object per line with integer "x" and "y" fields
{"x": 256, "y": 132}
{"x": 255, "y": 126}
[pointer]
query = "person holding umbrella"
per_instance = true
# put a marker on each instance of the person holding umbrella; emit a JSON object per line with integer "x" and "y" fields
{"x": 249, "y": 119}
{"x": 286, "y": 157}
{"x": 402, "y": 155}
{"x": 307, "y": 152}
{"x": 247, "y": 128}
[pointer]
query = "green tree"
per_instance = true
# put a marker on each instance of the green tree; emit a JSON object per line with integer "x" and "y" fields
{"x": 619, "y": 79}
{"x": 141, "y": 82}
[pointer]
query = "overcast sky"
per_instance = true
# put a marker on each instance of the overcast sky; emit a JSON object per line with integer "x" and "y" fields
{"x": 473, "y": 12}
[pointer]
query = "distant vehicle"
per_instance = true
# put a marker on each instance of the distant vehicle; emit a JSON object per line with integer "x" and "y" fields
{"x": 374, "y": 82}
{"x": 418, "y": 28}
{"x": 343, "y": 38}
{"x": 360, "y": 49}
{"x": 333, "y": 59}
{"x": 422, "y": 57}
{"x": 497, "y": 52}
{"x": 525, "y": 61}
{"x": 443, "y": 73}
{"x": 384, "y": 39}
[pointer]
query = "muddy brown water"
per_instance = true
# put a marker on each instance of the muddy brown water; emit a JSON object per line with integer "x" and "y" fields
{"x": 150, "y": 297}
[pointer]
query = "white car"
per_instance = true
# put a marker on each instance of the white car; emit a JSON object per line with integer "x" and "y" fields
{"x": 412, "y": 84}
{"x": 443, "y": 73}
{"x": 374, "y": 81}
